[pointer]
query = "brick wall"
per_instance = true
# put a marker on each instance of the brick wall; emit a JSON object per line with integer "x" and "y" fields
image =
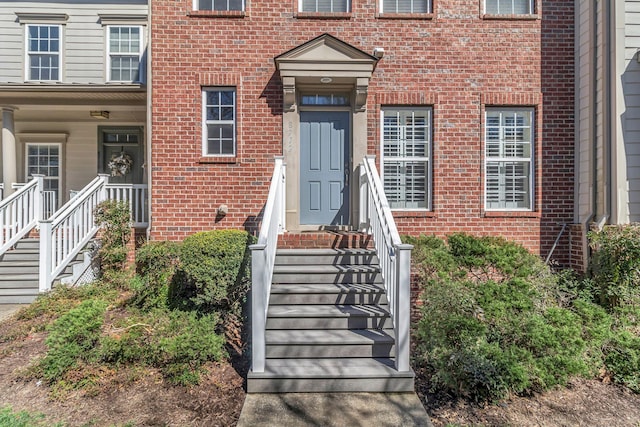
{"x": 456, "y": 61}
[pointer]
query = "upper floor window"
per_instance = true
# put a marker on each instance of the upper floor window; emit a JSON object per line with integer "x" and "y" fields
{"x": 405, "y": 6}
{"x": 219, "y": 121}
{"x": 325, "y": 5}
{"x": 43, "y": 52}
{"x": 509, "y": 7}
{"x": 221, "y": 5}
{"x": 406, "y": 157}
{"x": 508, "y": 159}
{"x": 124, "y": 52}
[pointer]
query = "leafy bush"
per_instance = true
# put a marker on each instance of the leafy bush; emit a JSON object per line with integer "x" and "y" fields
{"x": 115, "y": 219}
{"x": 491, "y": 324}
{"x": 178, "y": 343}
{"x": 615, "y": 265}
{"x": 156, "y": 263}
{"x": 214, "y": 267}
{"x": 71, "y": 338}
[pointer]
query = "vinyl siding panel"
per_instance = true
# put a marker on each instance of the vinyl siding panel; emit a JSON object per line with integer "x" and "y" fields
{"x": 631, "y": 118}
{"x": 84, "y": 37}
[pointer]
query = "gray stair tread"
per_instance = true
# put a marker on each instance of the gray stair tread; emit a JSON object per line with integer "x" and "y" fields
{"x": 322, "y": 268}
{"x": 326, "y": 311}
{"x": 334, "y": 336}
{"x": 325, "y": 288}
{"x": 331, "y": 368}
{"x": 27, "y": 290}
{"x": 20, "y": 263}
{"x": 322, "y": 251}
{"x": 19, "y": 277}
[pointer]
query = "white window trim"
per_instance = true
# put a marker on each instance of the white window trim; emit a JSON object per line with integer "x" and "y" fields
{"x": 205, "y": 122}
{"x": 27, "y": 52}
{"x": 196, "y": 6}
{"x": 60, "y": 163}
{"x": 532, "y": 8}
{"x": 428, "y": 159}
{"x": 531, "y": 160}
{"x": 340, "y": 11}
{"x": 108, "y": 53}
{"x": 429, "y": 8}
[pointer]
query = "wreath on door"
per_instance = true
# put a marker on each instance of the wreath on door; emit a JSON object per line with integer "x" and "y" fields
{"x": 120, "y": 164}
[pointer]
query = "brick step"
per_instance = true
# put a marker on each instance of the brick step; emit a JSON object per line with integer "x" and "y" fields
{"x": 325, "y": 239}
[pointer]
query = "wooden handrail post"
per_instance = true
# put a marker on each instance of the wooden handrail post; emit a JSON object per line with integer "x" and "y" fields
{"x": 403, "y": 306}
{"x": 258, "y": 307}
{"x": 44, "y": 278}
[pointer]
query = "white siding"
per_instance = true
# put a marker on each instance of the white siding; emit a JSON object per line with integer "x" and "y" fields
{"x": 84, "y": 36}
{"x": 631, "y": 117}
{"x": 584, "y": 113}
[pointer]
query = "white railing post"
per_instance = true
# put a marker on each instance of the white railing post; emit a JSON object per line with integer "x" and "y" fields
{"x": 45, "y": 256}
{"x": 403, "y": 306}
{"x": 38, "y": 200}
{"x": 104, "y": 178}
{"x": 258, "y": 307}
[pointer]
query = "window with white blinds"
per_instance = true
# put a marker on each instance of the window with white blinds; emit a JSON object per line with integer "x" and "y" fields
{"x": 325, "y": 5}
{"x": 406, "y": 157}
{"x": 508, "y": 159}
{"x": 405, "y": 6}
{"x": 509, "y": 7}
{"x": 220, "y": 5}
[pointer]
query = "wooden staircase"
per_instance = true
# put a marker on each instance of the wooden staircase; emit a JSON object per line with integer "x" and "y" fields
{"x": 19, "y": 273}
{"x": 328, "y": 325}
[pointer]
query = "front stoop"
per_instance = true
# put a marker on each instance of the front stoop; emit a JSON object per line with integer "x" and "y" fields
{"x": 328, "y": 326}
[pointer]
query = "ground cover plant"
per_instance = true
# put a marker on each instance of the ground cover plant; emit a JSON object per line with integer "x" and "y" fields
{"x": 169, "y": 314}
{"x": 496, "y": 321}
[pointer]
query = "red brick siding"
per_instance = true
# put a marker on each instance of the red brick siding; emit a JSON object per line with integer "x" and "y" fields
{"x": 457, "y": 62}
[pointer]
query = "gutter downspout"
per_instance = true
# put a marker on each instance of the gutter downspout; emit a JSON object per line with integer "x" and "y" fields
{"x": 149, "y": 126}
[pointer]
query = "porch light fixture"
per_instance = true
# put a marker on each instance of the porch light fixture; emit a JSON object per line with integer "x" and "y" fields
{"x": 102, "y": 115}
{"x": 326, "y": 80}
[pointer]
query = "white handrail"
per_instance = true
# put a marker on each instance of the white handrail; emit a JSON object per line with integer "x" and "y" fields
{"x": 136, "y": 195}
{"x": 394, "y": 256}
{"x": 63, "y": 235}
{"x": 263, "y": 255}
{"x": 20, "y": 212}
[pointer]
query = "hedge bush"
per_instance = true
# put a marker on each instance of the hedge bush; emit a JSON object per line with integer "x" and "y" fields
{"x": 156, "y": 264}
{"x": 615, "y": 265}
{"x": 214, "y": 270}
{"x": 114, "y": 217}
{"x": 490, "y": 324}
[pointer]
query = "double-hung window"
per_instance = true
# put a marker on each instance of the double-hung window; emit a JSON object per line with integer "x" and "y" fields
{"x": 405, "y": 6}
{"x": 509, "y": 7}
{"x": 124, "y": 50}
{"x": 508, "y": 158}
{"x": 406, "y": 157}
{"x": 43, "y": 52}
{"x": 219, "y": 121}
{"x": 220, "y": 5}
{"x": 325, "y": 5}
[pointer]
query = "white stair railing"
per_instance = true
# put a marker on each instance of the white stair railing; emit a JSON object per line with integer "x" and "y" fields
{"x": 263, "y": 255}
{"x": 394, "y": 256}
{"x": 64, "y": 234}
{"x": 20, "y": 212}
{"x": 136, "y": 195}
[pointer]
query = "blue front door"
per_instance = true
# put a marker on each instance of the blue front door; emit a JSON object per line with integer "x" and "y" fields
{"x": 324, "y": 167}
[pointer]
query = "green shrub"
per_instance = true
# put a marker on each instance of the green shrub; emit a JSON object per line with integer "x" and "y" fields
{"x": 622, "y": 359}
{"x": 615, "y": 265}
{"x": 114, "y": 217}
{"x": 156, "y": 263}
{"x": 491, "y": 323}
{"x": 214, "y": 267}
{"x": 72, "y": 337}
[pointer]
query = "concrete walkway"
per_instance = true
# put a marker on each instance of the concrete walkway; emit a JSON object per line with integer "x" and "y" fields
{"x": 333, "y": 410}
{"x": 7, "y": 310}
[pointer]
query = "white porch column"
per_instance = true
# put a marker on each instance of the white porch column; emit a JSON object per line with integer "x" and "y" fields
{"x": 9, "y": 159}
